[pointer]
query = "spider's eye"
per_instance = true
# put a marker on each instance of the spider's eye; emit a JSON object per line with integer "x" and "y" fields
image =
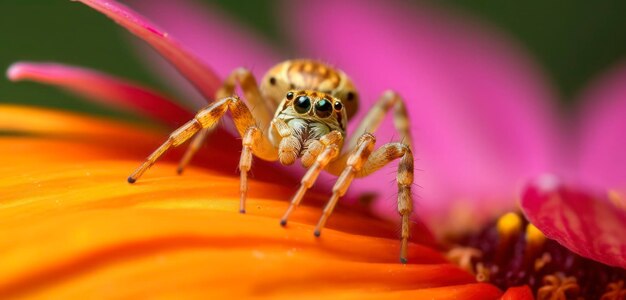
{"x": 302, "y": 104}
{"x": 272, "y": 80}
{"x": 350, "y": 96}
{"x": 323, "y": 108}
{"x": 338, "y": 106}
{"x": 290, "y": 96}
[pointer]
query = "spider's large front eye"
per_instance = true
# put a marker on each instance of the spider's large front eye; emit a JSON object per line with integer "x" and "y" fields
{"x": 323, "y": 108}
{"x": 302, "y": 104}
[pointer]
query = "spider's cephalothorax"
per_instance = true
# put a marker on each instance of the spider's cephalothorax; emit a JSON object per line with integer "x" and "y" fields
{"x": 312, "y": 75}
{"x": 310, "y": 115}
{"x": 301, "y": 111}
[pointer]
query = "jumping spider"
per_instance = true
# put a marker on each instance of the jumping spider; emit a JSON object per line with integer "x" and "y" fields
{"x": 312, "y": 102}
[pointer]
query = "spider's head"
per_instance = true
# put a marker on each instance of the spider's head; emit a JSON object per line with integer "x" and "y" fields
{"x": 304, "y": 74}
{"x": 318, "y": 111}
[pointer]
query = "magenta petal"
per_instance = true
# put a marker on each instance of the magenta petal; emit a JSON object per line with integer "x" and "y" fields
{"x": 207, "y": 31}
{"x": 102, "y": 88}
{"x": 586, "y": 223}
{"x": 480, "y": 110}
{"x": 603, "y": 131}
{"x": 201, "y": 76}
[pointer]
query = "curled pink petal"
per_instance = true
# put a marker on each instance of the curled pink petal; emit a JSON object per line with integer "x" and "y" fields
{"x": 103, "y": 88}
{"x": 588, "y": 224}
{"x": 602, "y": 133}
{"x": 208, "y": 32}
{"x": 479, "y": 108}
{"x": 201, "y": 76}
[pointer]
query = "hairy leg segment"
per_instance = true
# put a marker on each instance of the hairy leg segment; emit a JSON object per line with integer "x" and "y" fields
{"x": 262, "y": 110}
{"x": 360, "y": 161}
{"x": 388, "y": 100}
{"x": 253, "y": 140}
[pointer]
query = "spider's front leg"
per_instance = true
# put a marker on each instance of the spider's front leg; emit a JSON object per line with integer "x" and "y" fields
{"x": 253, "y": 140}
{"x": 362, "y": 162}
{"x": 262, "y": 110}
{"x": 358, "y": 163}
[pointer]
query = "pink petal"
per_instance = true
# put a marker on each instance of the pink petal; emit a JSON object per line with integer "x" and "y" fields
{"x": 480, "y": 109}
{"x": 202, "y": 77}
{"x": 603, "y": 131}
{"x": 211, "y": 35}
{"x": 102, "y": 88}
{"x": 586, "y": 223}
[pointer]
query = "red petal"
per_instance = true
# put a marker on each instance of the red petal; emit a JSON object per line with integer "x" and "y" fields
{"x": 518, "y": 293}
{"x": 586, "y": 223}
{"x": 102, "y": 88}
{"x": 200, "y": 75}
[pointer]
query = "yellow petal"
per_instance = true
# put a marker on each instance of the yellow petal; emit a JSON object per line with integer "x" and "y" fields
{"x": 72, "y": 227}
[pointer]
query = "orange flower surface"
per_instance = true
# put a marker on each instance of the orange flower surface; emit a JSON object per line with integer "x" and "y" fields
{"x": 73, "y": 228}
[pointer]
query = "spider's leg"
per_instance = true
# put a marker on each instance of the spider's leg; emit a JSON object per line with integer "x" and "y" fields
{"x": 176, "y": 138}
{"x": 207, "y": 118}
{"x": 250, "y": 138}
{"x": 320, "y": 153}
{"x": 360, "y": 163}
{"x": 194, "y": 146}
{"x": 354, "y": 163}
{"x": 253, "y": 142}
{"x": 371, "y": 122}
{"x": 262, "y": 110}
{"x": 377, "y": 113}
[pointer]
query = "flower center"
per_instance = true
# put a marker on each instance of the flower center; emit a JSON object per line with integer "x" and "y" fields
{"x": 512, "y": 252}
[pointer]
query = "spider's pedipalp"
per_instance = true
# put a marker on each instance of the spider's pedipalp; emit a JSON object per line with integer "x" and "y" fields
{"x": 330, "y": 142}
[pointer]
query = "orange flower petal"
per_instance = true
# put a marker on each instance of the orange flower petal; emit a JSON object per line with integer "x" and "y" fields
{"x": 127, "y": 140}
{"x": 72, "y": 228}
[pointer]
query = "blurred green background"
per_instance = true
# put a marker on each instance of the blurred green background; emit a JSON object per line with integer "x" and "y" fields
{"x": 572, "y": 40}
